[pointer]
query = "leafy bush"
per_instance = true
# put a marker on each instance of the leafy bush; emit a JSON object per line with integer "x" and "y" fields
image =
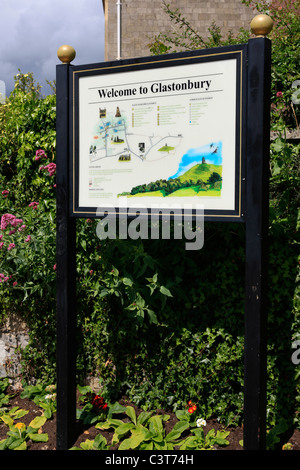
{"x": 27, "y": 191}
{"x": 285, "y": 38}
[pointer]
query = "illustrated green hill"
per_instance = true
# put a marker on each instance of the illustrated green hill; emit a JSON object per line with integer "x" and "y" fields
{"x": 166, "y": 148}
{"x": 200, "y": 171}
{"x": 193, "y": 182}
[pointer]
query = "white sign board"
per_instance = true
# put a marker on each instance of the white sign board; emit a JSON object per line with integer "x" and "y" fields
{"x": 162, "y": 136}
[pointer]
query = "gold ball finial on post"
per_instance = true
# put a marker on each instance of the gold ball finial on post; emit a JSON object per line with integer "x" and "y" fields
{"x": 261, "y": 25}
{"x": 66, "y": 54}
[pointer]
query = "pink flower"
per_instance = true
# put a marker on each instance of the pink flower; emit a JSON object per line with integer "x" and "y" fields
{"x": 1, "y": 236}
{"x": 11, "y": 232}
{"x": 51, "y": 167}
{"x": 28, "y": 239}
{"x": 1, "y": 245}
{"x": 40, "y": 154}
{"x": 11, "y": 246}
{"x": 91, "y": 272}
{"x": 9, "y": 219}
{"x": 279, "y": 94}
{"x": 33, "y": 205}
{"x": 5, "y": 193}
{"x": 20, "y": 229}
{"x": 15, "y": 284}
{"x": 54, "y": 267}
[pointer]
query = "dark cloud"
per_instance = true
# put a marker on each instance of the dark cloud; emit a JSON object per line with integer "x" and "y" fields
{"x": 31, "y": 31}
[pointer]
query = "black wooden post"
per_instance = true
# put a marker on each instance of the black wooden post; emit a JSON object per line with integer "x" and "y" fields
{"x": 66, "y": 270}
{"x": 257, "y": 203}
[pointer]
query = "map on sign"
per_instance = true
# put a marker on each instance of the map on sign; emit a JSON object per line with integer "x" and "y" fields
{"x": 113, "y": 138}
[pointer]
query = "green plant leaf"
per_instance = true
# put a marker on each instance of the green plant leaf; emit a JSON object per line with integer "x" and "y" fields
{"x": 88, "y": 444}
{"x": 189, "y": 443}
{"x": 109, "y": 423}
{"x": 131, "y": 413}
{"x": 22, "y": 446}
{"x": 144, "y": 416}
{"x": 152, "y": 316}
{"x": 43, "y": 437}
{"x": 116, "y": 408}
{"x": 182, "y": 415}
{"x": 3, "y": 444}
{"x": 163, "y": 445}
{"x": 38, "y": 422}
{"x": 165, "y": 291}
{"x": 146, "y": 445}
{"x": 121, "y": 431}
{"x": 199, "y": 432}
{"x": 15, "y": 443}
{"x": 138, "y": 435}
{"x": 84, "y": 389}
{"x": 127, "y": 281}
{"x": 7, "y": 420}
{"x": 156, "y": 428}
{"x": 100, "y": 443}
{"x": 177, "y": 431}
{"x": 20, "y": 413}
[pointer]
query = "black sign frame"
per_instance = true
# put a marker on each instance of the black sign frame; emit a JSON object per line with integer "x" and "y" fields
{"x": 237, "y": 52}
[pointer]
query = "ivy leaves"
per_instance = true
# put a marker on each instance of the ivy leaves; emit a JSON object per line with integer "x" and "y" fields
{"x": 134, "y": 301}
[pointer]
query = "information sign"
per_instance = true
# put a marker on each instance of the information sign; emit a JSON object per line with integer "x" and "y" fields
{"x": 162, "y": 132}
{"x": 187, "y": 128}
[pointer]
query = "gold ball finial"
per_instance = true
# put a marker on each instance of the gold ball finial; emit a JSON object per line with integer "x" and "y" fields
{"x": 261, "y": 25}
{"x": 66, "y": 54}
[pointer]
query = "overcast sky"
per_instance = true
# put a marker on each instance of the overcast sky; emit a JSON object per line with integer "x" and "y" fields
{"x": 31, "y": 31}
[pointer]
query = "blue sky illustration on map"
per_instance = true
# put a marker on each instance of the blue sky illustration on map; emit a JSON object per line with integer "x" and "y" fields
{"x": 212, "y": 153}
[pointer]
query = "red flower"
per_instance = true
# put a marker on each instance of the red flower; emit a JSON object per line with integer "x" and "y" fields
{"x": 279, "y": 94}
{"x": 192, "y": 407}
{"x": 98, "y": 403}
